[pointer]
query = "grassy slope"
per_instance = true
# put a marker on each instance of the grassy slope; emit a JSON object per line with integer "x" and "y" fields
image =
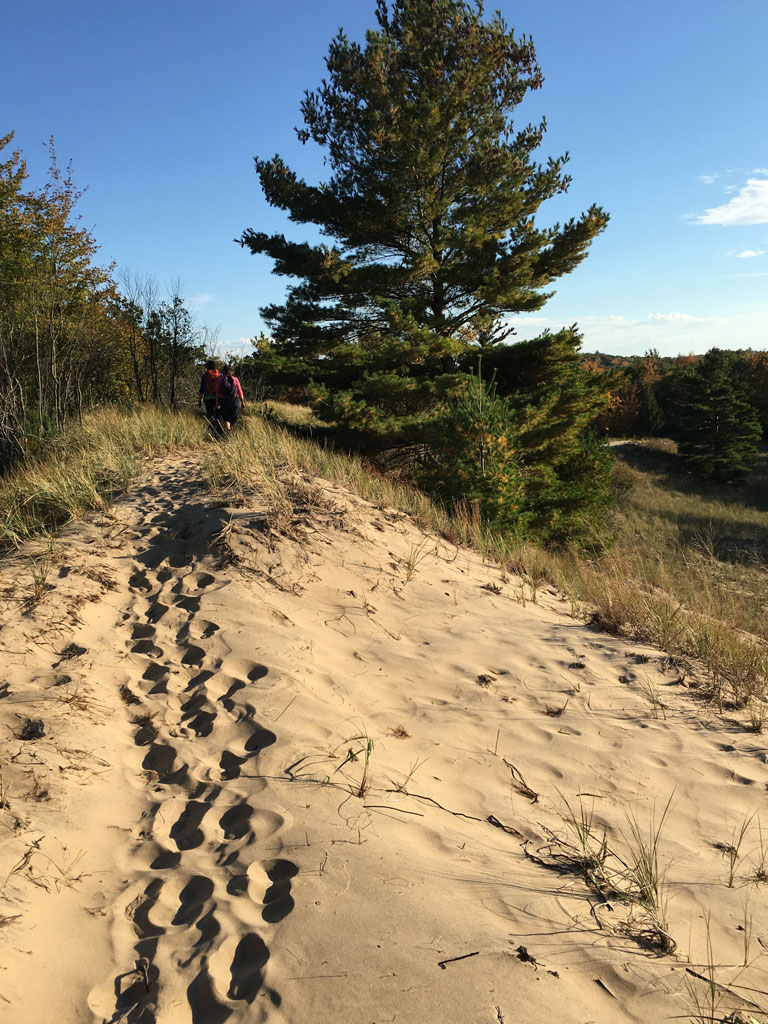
{"x": 687, "y": 570}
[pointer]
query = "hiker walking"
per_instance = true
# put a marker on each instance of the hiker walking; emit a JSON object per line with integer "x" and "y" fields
{"x": 229, "y": 397}
{"x": 207, "y": 392}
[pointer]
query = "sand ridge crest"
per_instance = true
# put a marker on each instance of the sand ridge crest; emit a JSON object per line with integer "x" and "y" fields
{"x": 280, "y": 778}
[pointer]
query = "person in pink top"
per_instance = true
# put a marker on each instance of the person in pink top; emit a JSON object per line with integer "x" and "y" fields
{"x": 229, "y": 397}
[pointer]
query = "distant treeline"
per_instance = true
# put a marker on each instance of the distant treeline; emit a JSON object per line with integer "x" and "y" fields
{"x": 70, "y": 336}
{"x": 649, "y": 392}
{"x": 715, "y": 405}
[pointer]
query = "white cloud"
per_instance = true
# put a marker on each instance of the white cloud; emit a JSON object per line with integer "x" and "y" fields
{"x": 680, "y": 318}
{"x": 750, "y": 206}
{"x": 708, "y": 179}
{"x": 671, "y": 334}
{"x": 237, "y": 346}
{"x": 749, "y": 254}
{"x": 202, "y": 299}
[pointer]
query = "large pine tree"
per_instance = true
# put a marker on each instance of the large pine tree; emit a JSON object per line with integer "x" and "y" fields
{"x": 430, "y": 207}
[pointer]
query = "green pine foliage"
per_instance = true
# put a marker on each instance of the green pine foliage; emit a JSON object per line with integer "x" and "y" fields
{"x": 557, "y": 400}
{"x": 431, "y": 203}
{"x": 430, "y": 212}
{"x": 519, "y": 464}
{"x": 475, "y": 456}
{"x": 718, "y": 428}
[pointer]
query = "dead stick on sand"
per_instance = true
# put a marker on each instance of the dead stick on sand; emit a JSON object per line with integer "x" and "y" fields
{"x": 389, "y": 807}
{"x": 28, "y": 854}
{"x": 452, "y": 959}
{"x": 520, "y": 784}
{"x": 731, "y": 990}
{"x": 285, "y": 709}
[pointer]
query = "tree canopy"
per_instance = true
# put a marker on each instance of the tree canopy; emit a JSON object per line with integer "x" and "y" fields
{"x": 718, "y": 427}
{"x": 430, "y": 212}
{"x": 431, "y": 205}
{"x": 68, "y": 337}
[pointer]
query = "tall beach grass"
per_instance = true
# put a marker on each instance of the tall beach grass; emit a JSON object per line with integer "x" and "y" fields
{"x": 86, "y": 466}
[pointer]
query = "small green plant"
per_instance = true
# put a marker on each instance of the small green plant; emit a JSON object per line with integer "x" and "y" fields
{"x": 758, "y": 712}
{"x": 416, "y": 554}
{"x": 732, "y": 848}
{"x": 651, "y": 691}
{"x": 40, "y": 569}
{"x": 646, "y": 875}
{"x": 760, "y": 873}
{"x": 704, "y": 1002}
{"x": 475, "y": 456}
{"x": 353, "y": 756}
{"x": 589, "y": 845}
{"x": 667, "y": 621}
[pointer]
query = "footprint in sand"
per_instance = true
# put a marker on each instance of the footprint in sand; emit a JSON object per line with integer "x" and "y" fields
{"x": 226, "y": 698}
{"x": 192, "y": 899}
{"x": 166, "y": 860}
{"x": 156, "y": 611}
{"x": 161, "y": 759}
{"x": 209, "y": 928}
{"x": 242, "y": 826}
{"x": 180, "y": 560}
{"x": 193, "y": 656}
{"x": 158, "y": 675}
{"x": 278, "y": 902}
{"x": 247, "y": 968}
{"x": 186, "y": 831}
{"x": 145, "y": 929}
{"x": 259, "y": 739}
{"x": 230, "y": 764}
{"x": 199, "y": 580}
{"x": 147, "y": 647}
{"x": 139, "y": 581}
{"x": 196, "y": 717}
{"x": 182, "y": 636}
{"x": 235, "y": 822}
{"x": 205, "y": 1005}
{"x": 143, "y": 632}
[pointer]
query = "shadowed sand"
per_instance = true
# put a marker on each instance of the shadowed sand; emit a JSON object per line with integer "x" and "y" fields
{"x": 326, "y": 776}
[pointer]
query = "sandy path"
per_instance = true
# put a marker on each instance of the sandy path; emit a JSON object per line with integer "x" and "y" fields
{"x": 228, "y": 825}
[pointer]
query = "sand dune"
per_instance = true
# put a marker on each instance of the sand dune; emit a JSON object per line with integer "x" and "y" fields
{"x": 326, "y": 776}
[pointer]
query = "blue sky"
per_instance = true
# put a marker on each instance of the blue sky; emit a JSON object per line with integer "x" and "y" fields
{"x": 162, "y": 106}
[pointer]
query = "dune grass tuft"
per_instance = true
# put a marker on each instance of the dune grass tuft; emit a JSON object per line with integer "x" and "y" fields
{"x": 86, "y": 466}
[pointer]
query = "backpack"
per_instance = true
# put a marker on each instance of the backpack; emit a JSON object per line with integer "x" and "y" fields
{"x": 228, "y": 388}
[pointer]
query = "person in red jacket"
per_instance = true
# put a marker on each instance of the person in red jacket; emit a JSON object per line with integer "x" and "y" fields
{"x": 208, "y": 390}
{"x": 229, "y": 397}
